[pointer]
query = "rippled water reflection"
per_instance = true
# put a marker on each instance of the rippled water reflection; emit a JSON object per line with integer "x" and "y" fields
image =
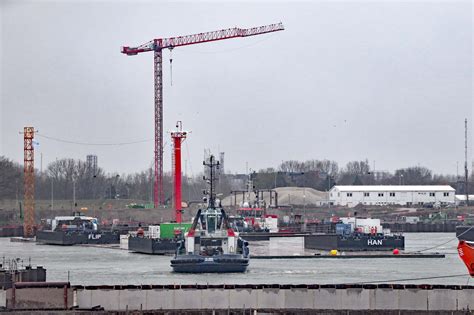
{"x": 92, "y": 266}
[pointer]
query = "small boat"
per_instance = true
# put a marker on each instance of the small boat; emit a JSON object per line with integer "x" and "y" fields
{"x": 466, "y": 253}
{"x": 211, "y": 245}
{"x": 465, "y": 235}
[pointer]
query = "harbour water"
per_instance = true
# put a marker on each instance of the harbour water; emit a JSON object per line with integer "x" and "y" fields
{"x": 106, "y": 266}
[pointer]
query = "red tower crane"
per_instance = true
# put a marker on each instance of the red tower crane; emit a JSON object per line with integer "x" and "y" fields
{"x": 178, "y": 137}
{"x": 157, "y": 46}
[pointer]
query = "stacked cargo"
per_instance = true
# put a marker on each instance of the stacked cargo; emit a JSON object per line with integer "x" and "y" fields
{"x": 171, "y": 230}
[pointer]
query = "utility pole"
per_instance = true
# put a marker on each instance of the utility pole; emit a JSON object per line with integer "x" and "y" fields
{"x": 52, "y": 194}
{"x": 329, "y": 188}
{"x": 304, "y": 202}
{"x": 74, "y": 195}
{"x": 466, "y": 175}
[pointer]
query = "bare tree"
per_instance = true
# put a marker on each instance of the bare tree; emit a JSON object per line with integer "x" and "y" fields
{"x": 10, "y": 178}
{"x": 416, "y": 175}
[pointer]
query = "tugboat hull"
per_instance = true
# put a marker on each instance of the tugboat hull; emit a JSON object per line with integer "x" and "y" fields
{"x": 205, "y": 264}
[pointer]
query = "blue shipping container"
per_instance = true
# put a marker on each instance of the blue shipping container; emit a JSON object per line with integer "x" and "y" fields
{"x": 343, "y": 229}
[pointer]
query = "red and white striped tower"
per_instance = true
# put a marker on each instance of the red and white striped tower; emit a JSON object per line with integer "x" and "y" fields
{"x": 178, "y": 137}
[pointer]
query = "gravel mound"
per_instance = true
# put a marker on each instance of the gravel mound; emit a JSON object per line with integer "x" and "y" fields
{"x": 286, "y": 196}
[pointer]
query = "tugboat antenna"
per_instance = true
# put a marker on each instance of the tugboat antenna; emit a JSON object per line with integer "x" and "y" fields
{"x": 212, "y": 178}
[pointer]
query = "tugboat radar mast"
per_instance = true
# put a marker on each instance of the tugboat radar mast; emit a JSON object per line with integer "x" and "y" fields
{"x": 211, "y": 193}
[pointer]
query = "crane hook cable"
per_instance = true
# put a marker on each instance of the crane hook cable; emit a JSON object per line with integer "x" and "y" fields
{"x": 441, "y": 244}
{"x": 92, "y": 143}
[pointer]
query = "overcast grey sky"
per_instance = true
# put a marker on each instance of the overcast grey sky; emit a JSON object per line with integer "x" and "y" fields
{"x": 389, "y": 81}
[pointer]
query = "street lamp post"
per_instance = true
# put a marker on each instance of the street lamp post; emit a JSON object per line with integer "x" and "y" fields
{"x": 114, "y": 181}
{"x": 304, "y": 208}
{"x": 329, "y": 188}
{"x": 52, "y": 194}
{"x": 128, "y": 190}
{"x": 74, "y": 195}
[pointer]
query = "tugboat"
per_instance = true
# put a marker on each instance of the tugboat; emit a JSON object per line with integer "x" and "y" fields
{"x": 465, "y": 235}
{"x": 76, "y": 229}
{"x": 211, "y": 244}
{"x": 252, "y": 215}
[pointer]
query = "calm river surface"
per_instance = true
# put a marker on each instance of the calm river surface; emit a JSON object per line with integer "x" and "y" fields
{"x": 95, "y": 266}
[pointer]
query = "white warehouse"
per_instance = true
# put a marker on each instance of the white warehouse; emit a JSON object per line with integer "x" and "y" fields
{"x": 391, "y": 195}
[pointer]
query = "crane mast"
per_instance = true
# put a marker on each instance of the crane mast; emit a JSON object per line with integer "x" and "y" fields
{"x": 157, "y": 46}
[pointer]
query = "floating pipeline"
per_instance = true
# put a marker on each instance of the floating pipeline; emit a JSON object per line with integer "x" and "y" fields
{"x": 371, "y": 256}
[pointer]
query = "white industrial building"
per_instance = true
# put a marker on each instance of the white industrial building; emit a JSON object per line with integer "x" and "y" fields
{"x": 461, "y": 199}
{"x": 382, "y": 195}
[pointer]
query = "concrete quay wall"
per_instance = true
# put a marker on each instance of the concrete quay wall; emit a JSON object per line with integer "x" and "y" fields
{"x": 275, "y": 297}
{"x": 37, "y": 296}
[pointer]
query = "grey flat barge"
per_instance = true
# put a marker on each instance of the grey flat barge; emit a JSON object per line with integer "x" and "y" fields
{"x": 73, "y": 238}
{"x": 361, "y": 242}
{"x": 152, "y": 246}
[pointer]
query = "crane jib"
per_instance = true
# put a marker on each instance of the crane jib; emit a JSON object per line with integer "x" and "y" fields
{"x": 163, "y": 43}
